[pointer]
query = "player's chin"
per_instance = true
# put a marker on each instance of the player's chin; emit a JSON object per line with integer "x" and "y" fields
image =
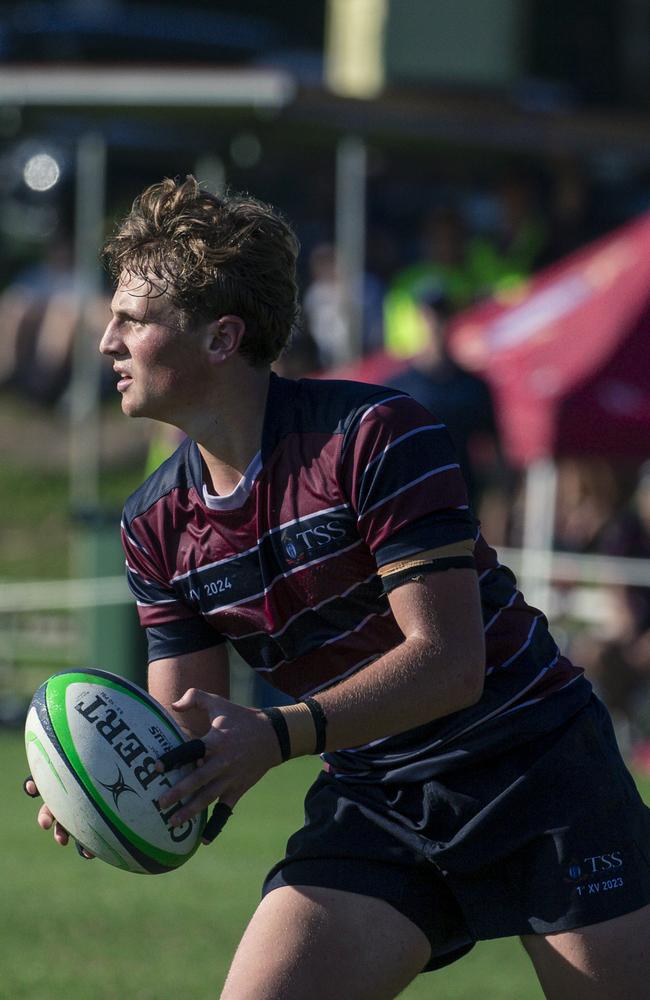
{"x": 141, "y": 404}
{"x": 129, "y": 410}
{"x": 132, "y": 406}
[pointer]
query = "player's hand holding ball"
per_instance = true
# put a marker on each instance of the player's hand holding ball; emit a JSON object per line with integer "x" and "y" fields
{"x": 47, "y": 821}
{"x": 238, "y": 749}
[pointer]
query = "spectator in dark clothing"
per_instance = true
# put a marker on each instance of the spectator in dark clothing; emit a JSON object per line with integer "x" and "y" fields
{"x": 459, "y": 398}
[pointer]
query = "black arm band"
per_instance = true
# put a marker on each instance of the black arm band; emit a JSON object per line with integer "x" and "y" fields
{"x": 277, "y": 720}
{"x": 320, "y": 722}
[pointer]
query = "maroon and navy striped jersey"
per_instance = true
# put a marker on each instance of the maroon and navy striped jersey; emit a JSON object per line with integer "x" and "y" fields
{"x": 350, "y": 478}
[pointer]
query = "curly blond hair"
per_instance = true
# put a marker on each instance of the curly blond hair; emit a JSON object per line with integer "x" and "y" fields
{"x": 214, "y": 256}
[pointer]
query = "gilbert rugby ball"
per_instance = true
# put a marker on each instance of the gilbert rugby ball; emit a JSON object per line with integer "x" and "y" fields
{"x": 92, "y": 739}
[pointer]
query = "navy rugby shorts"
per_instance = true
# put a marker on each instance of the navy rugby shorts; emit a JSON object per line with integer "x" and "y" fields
{"x": 548, "y": 836}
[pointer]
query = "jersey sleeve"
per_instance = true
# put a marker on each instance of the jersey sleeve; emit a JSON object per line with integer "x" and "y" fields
{"x": 181, "y": 637}
{"x": 403, "y": 479}
{"x": 173, "y": 627}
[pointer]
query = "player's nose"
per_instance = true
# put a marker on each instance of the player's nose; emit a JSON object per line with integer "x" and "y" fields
{"x": 111, "y": 342}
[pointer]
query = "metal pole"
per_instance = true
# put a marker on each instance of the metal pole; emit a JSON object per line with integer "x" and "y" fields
{"x": 538, "y": 530}
{"x": 84, "y": 454}
{"x": 351, "y": 235}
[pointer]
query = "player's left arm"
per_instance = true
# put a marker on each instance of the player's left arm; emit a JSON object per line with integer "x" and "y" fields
{"x": 401, "y": 474}
{"x": 439, "y": 668}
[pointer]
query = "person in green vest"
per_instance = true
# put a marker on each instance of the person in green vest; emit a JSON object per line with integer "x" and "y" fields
{"x": 468, "y": 267}
{"x": 444, "y": 266}
{"x": 501, "y": 261}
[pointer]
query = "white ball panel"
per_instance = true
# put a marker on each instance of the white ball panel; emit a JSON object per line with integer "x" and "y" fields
{"x": 118, "y": 740}
{"x": 62, "y": 794}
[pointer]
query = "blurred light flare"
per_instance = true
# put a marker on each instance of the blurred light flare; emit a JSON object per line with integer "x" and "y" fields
{"x": 246, "y": 150}
{"x": 41, "y": 172}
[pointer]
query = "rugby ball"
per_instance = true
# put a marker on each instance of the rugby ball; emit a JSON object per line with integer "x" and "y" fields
{"x": 92, "y": 740}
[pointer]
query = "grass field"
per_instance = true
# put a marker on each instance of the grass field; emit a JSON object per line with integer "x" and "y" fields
{"x": 80, "y": 930}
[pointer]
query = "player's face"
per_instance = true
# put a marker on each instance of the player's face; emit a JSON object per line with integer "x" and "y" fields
{"x": 158, "y": 364}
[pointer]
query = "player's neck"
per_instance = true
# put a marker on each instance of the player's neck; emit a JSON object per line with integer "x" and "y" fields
{"x": 229, "y": 433}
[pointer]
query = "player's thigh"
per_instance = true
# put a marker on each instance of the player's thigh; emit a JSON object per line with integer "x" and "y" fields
{"x": 324, "y": 944}
{"x": 607, "y": 961}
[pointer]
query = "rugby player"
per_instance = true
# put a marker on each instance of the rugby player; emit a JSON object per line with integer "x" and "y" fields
{"x": 472, "y": 787}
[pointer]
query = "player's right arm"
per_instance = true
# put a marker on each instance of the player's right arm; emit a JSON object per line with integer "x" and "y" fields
{"x": 206, "y": 669}
{"x": 184, "y": 653}
{"x": 184, "y": 650}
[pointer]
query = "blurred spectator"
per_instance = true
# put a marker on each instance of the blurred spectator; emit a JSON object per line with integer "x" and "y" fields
{"x": 503, "y": 259}
{"x": 324, "y": 309}
{"x": 444, "y": 266}
{"x": 617, "y": 657}
{"x": 463, "y": 401}
{"x": 39, "y": 313}
{"x": 569, "y": 211}
{"x": 588, "y": 497}
{"x": 628, "y": 535}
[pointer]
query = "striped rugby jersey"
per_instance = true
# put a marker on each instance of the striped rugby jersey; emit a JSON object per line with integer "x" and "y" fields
{"x": 350, "y": 478}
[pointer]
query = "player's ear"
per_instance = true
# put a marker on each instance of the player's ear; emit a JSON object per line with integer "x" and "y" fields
{"x": 224, "y": 336}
